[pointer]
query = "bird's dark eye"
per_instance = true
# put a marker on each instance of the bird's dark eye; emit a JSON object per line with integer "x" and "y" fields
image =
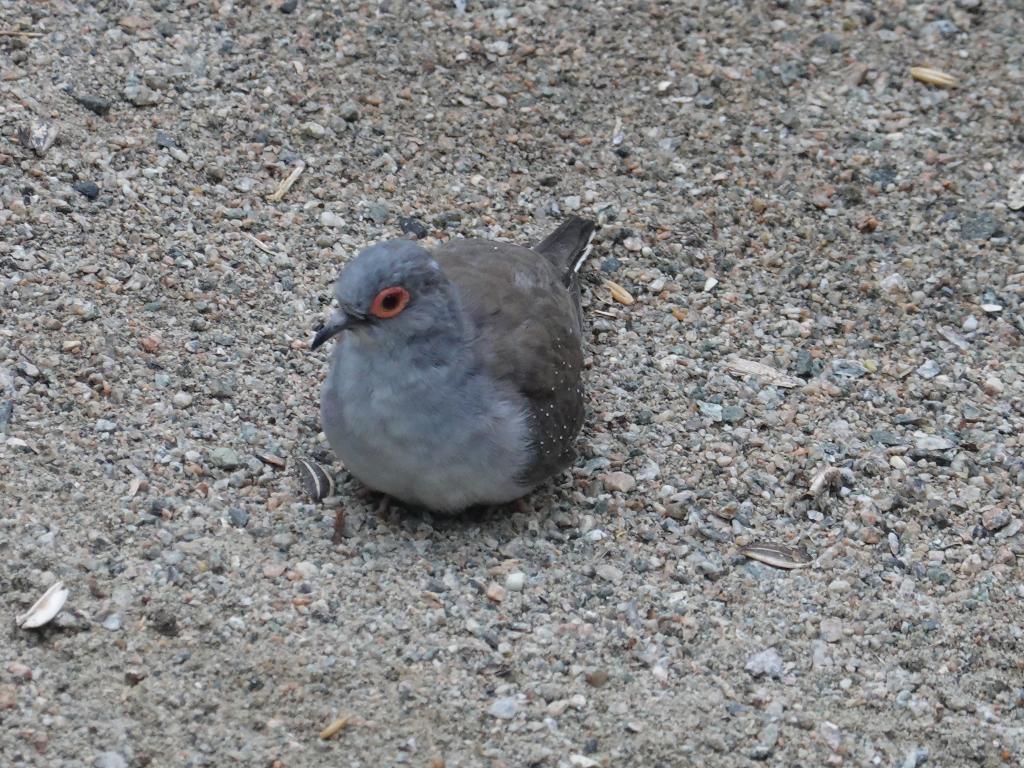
{"x": 389, "y": 302}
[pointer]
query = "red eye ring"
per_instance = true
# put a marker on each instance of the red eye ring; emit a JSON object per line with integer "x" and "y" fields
{"x": 390, "y": 302}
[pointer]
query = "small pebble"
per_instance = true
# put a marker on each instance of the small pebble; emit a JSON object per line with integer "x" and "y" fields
{"x": 181, "y": 400}
{"x": 504, "y": 708}
{"x": 93, "y": 103}
{"x": 995, "y": 518}
{"x": 619, "y": 481}
{"x": 609, "y": 572}
{"x": 929, "y": 369}
{"x": 992, "y": 386}
{"x": 88, "y": 189}
{"x": 515, "y": 581}
{"x": 766, "y": 663}
{"x": 413, "y": 226}
{"x": 831, "y": 630}
{"x": 496, "y": 593}
{"x": 331, "y": 219}
{"x": 141, "y": 96}
{"x": 850, "y": 369}
{"x": 225, "y": 458}
{"x": 313, "y": 130}
{"x": 933, "y": 443}
{"x": 349, "y": 111}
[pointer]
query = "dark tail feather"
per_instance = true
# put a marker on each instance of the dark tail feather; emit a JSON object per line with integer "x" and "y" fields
{"x": 568, "y": 246}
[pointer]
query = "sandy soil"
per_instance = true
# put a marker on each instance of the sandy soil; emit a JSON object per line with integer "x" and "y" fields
{"x": 773, "y": 186}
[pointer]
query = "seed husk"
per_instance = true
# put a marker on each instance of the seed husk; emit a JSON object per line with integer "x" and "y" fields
{"x": 764, "y": 372}
{"x": 933, "y": 77}
{"x": 776, "y": 555}
{"x": 278, "y": 195}
{"x": 338, "y": 534}
{"x": 45, "y": 608}
{"x": 335, "y": 727}
{"x": 317, "y": 482}
{"x": 270, "y": 458}
{"x": 619, "y": 293}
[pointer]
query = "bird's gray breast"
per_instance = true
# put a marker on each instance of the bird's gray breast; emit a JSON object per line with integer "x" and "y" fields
{"x": 437, "y": 435}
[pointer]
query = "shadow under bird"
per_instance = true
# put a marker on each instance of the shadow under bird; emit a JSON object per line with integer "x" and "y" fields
{"x": 456, "y": 377}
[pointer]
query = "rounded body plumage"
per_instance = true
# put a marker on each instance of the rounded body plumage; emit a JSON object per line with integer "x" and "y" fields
{"x": 468, "y": 391}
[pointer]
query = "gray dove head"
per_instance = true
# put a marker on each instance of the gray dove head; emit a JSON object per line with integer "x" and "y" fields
{"x": 393, "y": 290}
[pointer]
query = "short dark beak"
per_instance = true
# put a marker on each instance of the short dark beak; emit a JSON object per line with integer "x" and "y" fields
{"x": 338, "y": 322}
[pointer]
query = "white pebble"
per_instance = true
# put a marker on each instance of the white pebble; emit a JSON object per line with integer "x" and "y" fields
{"x": 331, "y": 219}
{"x": 181, "y": 400}
{"x": 515, "y": 581}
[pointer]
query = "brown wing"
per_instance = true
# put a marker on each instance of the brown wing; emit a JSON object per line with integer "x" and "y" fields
{"x": 529, "y": 323}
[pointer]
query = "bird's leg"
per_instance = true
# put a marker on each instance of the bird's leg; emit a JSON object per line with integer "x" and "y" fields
{"x": 367, "y": 495}
{"x": 339, "y": 526}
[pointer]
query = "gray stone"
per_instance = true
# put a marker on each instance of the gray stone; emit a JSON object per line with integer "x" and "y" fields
{"x": 829, "y": 42}
{"x": 831, "y": 630}
{"x": 141, "y": 96}
{"x": 929, "y": 369}
{"x": 313, "y": 130}
{"x": 689, "y": 85}
{"x": 87, "y": 189}
{"x": 378, "y": 213}
{"x": 504, "y": 708}
{"x": 885, "y": 437}
{"x": 331, "y": 219}
{"x": 225, "y": 458}
{"x": 995, "y": 518}
{"x": 979, "y": 226}
{"x": 712, "y": 411}
{"x": 609, "y": 572}
{"x": 937, "y": 30}
{"x": 732, "y": 414}
{"x": 349, "y": 111}
{"x": 933, "y": 443}
{"x": 181, "y": 400}
{"x": 848, "y": 369}
{"x": 766, "y": 663}
{"x": 96, "y": 104}
{"x": 766, "y": 741}
{"x": 283, "y": 541}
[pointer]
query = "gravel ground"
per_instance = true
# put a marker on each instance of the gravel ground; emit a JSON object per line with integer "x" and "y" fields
{"x": 772, "y": 186}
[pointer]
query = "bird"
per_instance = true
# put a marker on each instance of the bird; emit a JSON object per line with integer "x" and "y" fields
{"x": 456, "y": 375}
